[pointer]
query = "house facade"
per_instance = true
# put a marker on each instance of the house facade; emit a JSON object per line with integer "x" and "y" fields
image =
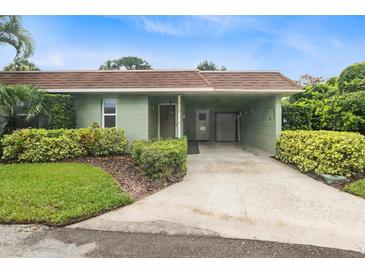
{"x": 223, "y": 106}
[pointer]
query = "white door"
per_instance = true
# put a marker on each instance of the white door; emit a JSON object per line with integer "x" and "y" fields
{"x": 202, "y": 125}
{"x": 226, "y": 127}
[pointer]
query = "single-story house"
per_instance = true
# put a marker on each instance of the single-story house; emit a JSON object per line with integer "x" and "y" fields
{"x": 221, "y": 106}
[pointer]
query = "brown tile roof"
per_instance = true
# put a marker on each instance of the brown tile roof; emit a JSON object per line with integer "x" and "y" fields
{"x": 150, "y": 79}
{"x": 250, "y": 80}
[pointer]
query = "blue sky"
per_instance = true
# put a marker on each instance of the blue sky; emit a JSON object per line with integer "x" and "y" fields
{"x": 320, "y": 45}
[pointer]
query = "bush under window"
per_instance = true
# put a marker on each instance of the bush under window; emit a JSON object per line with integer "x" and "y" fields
{"x": 41, "y": 145}
{"x": 161, "y": 159}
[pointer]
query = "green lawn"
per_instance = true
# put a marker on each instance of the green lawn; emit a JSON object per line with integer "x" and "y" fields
{"x": 357, "y": 188}
{"x": 56, "y": 193}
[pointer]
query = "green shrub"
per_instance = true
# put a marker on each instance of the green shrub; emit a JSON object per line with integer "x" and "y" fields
{"x": 102, "y": 142}
{"x": 330, "y": 152}
{"x": 296, "y": 116}
{"x": 332, "y": 116}
{"x": 137, "y": 148}
{"x": 60, "y": 110}
{"x": 161, "y": 159}
{"x": 41, "y": 145}
{"x": 337, "y": 113}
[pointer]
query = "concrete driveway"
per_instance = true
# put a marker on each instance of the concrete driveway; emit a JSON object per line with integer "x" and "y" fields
{"x": 236, "y": 193}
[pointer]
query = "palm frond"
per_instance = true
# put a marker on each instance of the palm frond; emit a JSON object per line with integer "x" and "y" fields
{"x": 12, "y": 33}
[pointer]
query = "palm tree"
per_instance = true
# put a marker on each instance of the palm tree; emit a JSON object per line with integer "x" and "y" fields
{"x": 21, "y": 65}
{"x": 12, "y": 33}
{"x": 18, "y": 100}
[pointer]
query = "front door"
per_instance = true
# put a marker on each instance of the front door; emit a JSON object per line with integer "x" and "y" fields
{"x": 167, "y": 121}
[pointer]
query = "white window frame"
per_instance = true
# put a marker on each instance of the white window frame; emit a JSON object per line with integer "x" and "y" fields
{"x": 109, "y": 114}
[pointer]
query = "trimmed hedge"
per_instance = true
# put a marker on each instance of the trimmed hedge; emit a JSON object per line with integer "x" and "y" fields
{"x": 61, "y": 112}
{"x": 41, "y": 145}
{"x": 330, "y": 152}
{"x": 161, "y": 159}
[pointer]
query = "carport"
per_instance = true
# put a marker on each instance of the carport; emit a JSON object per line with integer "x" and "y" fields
{"x": 252, "y": 120}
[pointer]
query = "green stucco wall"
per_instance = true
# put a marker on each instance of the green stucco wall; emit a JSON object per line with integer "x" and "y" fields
{"x": 132, "y": 112}
{"x": 138, "y": 115}
{"x": 262, "y": 123}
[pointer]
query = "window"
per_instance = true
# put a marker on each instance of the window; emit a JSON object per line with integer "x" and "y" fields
{"x": 202, "y": 116}
{"x": 109, "y": 113}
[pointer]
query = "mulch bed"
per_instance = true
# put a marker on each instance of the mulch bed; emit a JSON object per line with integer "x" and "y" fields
{"x": 130, "y": 177}
{"x": 338, "y": 185}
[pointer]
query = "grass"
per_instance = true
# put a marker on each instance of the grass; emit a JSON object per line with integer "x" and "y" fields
{"x": 356, "y": 188}
{"x": 56, "y": 193}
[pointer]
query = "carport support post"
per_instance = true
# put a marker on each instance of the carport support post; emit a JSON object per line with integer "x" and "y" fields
{"x": 278, "y": 113}
{"x": 179, "y": 123}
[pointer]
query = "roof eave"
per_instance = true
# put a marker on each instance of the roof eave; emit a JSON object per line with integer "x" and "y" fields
{"x": 257, "y": 91}
{"x": 208, "y": 90}
{"x": 128, "y": 90}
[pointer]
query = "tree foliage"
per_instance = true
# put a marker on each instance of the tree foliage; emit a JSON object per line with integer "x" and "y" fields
{"x": 352, "y": 78}
{"x": 12, "y": 33}
{"x": 21, "y": 65}
{"x": 337, "y": 104}
{"x": 297, "y": 116}
{"x": 309, "y": 80}
{"x": 60, "y": 111}
{"x": 126, "y": 63}
{"x": 209, "y": 66}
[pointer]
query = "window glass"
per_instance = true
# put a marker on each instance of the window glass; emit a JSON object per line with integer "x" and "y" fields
{"x": 109, "y": 106}
{"x": 110, "y": 113}
{"x": 109, "y": 121}
{"x": 202, "y": 116}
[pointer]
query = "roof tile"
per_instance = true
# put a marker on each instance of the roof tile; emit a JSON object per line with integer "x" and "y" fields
{"x": 150, "y": 79}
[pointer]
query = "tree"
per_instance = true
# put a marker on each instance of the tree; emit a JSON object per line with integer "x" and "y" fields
{"x": 21, "y": 65}
{"x": 352, "y": 78}
{"x": 309, "y": 80}
{"x": 209, "y": 66}
{"x": 12, "y": 33}
{"x": 126, "y": 63}
{"x": 26, "y": 100}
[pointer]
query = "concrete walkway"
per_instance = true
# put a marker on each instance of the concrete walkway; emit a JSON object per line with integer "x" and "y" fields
{"x": 236, "y": 193}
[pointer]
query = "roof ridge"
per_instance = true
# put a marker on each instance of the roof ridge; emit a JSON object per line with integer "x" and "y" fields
{"x": 205, "y": 79}
{"x": 239, "y": 71}
{"x": 103, "y": 71}
{"x": 290, "y": 80}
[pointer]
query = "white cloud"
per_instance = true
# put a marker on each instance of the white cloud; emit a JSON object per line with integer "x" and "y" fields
{"x": 193, "y": 26}
{"x": 54, "y": 60}
{"x": 300, "y": 43}
{"x": 156, "y": 26}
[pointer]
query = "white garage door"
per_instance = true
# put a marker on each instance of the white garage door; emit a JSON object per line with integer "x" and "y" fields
{"x": 226, "y": 127}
